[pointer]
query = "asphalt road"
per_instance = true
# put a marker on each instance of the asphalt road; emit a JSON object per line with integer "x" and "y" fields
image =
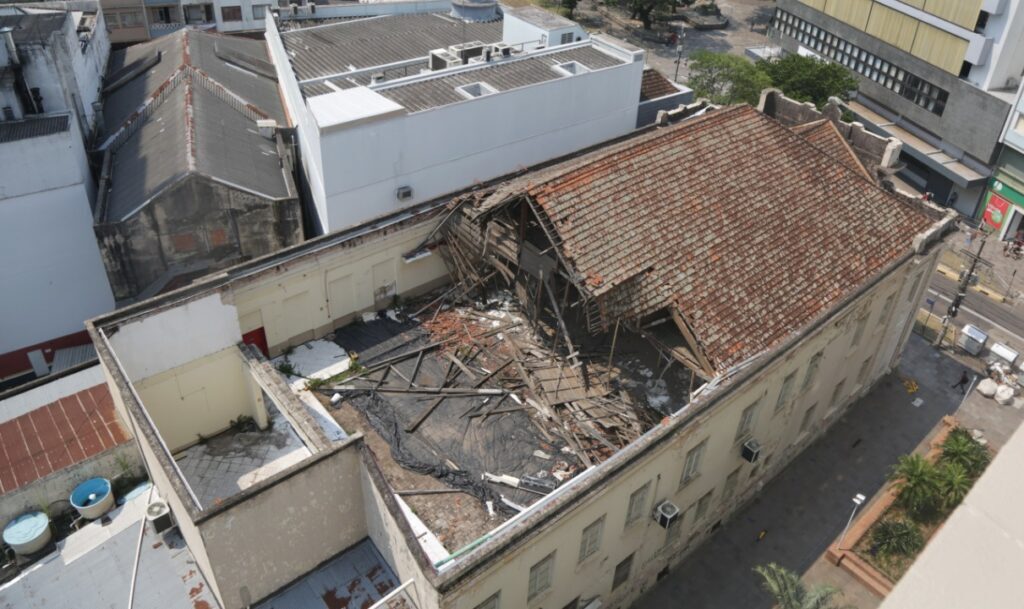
{"x": 977, "y": 309}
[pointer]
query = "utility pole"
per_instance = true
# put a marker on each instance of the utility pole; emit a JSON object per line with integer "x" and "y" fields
{"x": 679, "y": 51}
{"x": 961, "y": 290}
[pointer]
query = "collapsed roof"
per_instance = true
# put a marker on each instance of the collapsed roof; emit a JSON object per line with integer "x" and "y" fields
{"x": 187, "y": 103}
{"x": 759, "y": 234}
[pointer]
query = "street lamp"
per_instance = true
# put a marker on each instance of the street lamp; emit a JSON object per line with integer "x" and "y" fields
{"x": 858, "y": 499}
{"x": 679, "y": 51}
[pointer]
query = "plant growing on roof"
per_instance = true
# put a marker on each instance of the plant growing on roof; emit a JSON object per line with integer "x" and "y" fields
{"x": 962, "y": 449}
{"x": 917, "y": 482}
{"x": 897, "y": 537}
{"x": 791, "y": 593}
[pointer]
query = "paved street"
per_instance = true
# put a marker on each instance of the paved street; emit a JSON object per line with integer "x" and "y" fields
{"x": 977, "y": 309}
{"x": 808, "y": 504}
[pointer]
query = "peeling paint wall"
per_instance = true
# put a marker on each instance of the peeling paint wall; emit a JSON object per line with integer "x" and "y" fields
{"x": 298, "y": 301}
{"x": 782, "y": 434}
{"x": 197, "y": 225}
{"x": 265, "y": 542}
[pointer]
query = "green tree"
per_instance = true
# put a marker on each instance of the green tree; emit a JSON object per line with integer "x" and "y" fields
{"x": 809, "y": 79}
{"x": 644, "y": 10}
{"x": 897, "y": 537}
{"x": 917, "y": 481}
{"x": 570, "y": 7}
{"x": 962, "y": 449}
{"x": 790, "y": 593}
{"x": 954, "y": 484}
{"x": 726, "y": 79}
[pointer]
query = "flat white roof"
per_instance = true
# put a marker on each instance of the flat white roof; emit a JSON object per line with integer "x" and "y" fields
{"x": 351, "y": 107}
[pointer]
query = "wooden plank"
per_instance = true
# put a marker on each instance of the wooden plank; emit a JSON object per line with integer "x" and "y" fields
{"x": 433, "y": 405}
{"x": 465, "y": 369}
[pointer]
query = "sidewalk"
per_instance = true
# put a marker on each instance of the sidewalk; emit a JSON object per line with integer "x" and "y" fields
{"x": 997, "y": 277}
{"x": 805, "y": 508}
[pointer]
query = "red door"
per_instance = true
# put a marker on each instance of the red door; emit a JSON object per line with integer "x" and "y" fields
{"x": 258, "y": 339}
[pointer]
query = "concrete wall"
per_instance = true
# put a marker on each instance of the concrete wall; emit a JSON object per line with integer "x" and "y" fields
{"x": 972, "y": 119}
{"x": 50, "y": 391}
{"x": 498, "y": 134}
{"x": 201, "y": 397}
{"x": 55, "y": 489}
{"x": 779, "y": 433}
{"x": 185, "y": 333}
{"x": 53, "y": 277}
{"x": 271, "y": 538}
{"x": 299, "y": 301}
{"x": 197, "y": 225}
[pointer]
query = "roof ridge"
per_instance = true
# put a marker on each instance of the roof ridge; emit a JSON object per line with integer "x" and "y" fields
{"x": 148, "y": 107}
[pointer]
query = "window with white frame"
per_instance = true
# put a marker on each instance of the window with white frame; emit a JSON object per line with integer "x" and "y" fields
{"x": 492, "y": 602}
{"x": 541, "y": 575}
{"x": 786, "y": 392}
{"x": 590, "y": 542}
{"x": 637, "y": 504}
{"x": 691, "y": 468}
{"x": 259, "y": 11}
{"x": 747, "y": 420}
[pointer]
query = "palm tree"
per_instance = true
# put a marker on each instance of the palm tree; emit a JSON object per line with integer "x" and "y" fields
{"x": 897, "y": 538}
{"x": 961, "y": 448}
{"x": 790, "y": 593}
{"x": 954, "y": 484}
{"x": 917, "y": 481}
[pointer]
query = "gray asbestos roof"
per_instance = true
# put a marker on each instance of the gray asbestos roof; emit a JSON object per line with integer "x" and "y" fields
{"x": 203, "y": 94}
{"x": 502, "y": 76}
{"x": 14, "y": 131}
{"x": 33, "y": 27}
{"x": 366, "y": 43}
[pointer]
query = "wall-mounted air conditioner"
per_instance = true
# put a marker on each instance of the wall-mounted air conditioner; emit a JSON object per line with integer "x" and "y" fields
{"x": 666, "y": 513}
{"x": 403, "y": 193}
{"x": 751, "y": 450}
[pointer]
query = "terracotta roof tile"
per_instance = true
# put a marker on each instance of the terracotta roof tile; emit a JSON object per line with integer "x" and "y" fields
{"x": 742, "y": 224}
{"x": 57, "y": 435}
{"x": 823, "y": 135}
{"x": 654, "y": 85}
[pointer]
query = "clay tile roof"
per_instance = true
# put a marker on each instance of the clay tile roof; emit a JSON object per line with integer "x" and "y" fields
{"x": 749, "y": 230}
{"x": 654, "y": 85}
{"x": 58, "y": 435}
{"x": 824, "y": 136}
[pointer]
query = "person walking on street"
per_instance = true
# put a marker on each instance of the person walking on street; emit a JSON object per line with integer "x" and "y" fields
{"x": 962, "y": 383}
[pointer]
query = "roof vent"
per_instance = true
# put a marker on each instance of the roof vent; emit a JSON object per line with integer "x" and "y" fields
{"x": 475, "y": 11}
{"x": 476, "y": 89}
{"x": 571, "y": 68}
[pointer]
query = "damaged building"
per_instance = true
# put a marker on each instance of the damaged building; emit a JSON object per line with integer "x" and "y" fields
{"x": 546, "y": 390}
{"x": 197, "y": 172}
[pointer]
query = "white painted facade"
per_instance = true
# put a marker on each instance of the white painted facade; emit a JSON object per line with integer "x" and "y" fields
{"x": 359, "y": 148}
{"x": 53, "y": 278}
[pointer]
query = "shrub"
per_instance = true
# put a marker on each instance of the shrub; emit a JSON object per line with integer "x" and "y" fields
{"x": 954, "y": 484}
{"x": 917, "y": 481}
{"x": 897, "y": 537}
{"x": 960, "y": 448}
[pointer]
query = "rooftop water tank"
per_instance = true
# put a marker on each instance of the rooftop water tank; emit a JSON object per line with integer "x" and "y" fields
{"x": 475, "y": 11}
{"x": 92, "y": 498}
{"x": 28, "y": 533}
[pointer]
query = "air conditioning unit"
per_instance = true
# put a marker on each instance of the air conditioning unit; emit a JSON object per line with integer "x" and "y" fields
{"x": 666, "y": 513}
{"x": 467, "y": 50}
{"x": 441, "y": 59}
{"x": 751, "y": 450}
{"x": 501, "y": 50}
{"x": 403, "y": 193}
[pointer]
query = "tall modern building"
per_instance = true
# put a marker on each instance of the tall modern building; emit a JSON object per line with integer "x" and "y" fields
{"x": 941, "y": 75}
{"x": 1003, "y": 208}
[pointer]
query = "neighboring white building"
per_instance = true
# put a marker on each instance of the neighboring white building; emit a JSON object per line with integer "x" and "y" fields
{"x": 396, "y": 110}
{"x": 53, "y": 278}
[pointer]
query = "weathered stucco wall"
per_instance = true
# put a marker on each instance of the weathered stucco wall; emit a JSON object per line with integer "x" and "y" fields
{"x": 199, "y": 224}
{"x": 782, "y": 433}
{"x": 265, "y": 542}
{"x": 304, "y": 299}
{"x": 201, "y": 397}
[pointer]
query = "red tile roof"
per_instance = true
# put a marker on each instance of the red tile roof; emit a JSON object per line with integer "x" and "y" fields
{"x": 824, "y": 136}
{"x": 749, "y": 230}
{"x": 57, "y": 435}
{"x": 654, "y": 85}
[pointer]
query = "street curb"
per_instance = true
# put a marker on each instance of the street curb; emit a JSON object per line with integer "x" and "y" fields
{"x": 980, "y": 289}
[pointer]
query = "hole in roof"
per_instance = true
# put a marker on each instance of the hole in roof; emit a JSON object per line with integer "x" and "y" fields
{"x": 571, "y": 68}
{"x": 476, "y": 89}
